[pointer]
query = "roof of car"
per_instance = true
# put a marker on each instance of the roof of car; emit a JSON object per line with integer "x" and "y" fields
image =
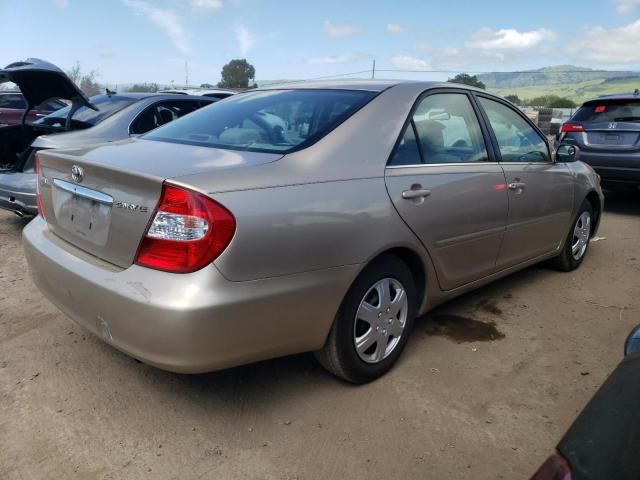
{"x": 141, "y": 95}
{"x": 368, "y": 85}
{"x": 199, "y": 91}
{"x": 618, "y": 96}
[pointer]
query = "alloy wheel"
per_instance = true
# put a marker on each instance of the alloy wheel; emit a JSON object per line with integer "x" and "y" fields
{"x": 380, "y": 320}
{"x": 581, "y": 235}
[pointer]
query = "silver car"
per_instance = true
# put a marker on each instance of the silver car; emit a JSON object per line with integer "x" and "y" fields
{"x": 223, "y": 238}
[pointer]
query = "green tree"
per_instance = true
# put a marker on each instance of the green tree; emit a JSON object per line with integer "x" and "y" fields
{"x": 144, "y": 87}
{"x": 551, "y": 101}
{"x": 86, "y": 82}
{"x": 514, "y": 99}
{"x": 467, "y": 79}
{"x": 237, "y": 74}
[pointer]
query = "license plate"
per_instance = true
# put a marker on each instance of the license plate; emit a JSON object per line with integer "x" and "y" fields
{"x": 83, "y": 212}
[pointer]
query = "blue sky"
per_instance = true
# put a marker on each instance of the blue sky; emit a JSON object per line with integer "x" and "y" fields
{"x": 150, "y": 40}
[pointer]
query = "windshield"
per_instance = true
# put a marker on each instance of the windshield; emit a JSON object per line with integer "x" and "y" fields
{"x": 107, "y": 106}
{"x": 276, "y": 121}
{"x": 609, "y": 111}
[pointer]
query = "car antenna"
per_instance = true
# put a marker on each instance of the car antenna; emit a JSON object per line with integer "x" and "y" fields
{"x": 110, "y": 92}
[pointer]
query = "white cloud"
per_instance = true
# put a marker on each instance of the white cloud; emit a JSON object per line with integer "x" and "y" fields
{"x": 331, "y": 59}
{"x": 508, "y": 39}
{"x": 246, "y": 42}
{"x": 61, "y": 4}
{"x": 405, "y": 62}
{"x": 166, "y": 19}
{"x": 626, "y": 6}
{"x": 395, "y": 28}
{"x": 614, "y": 46}
{"x": 340, "y": 30}
{"x": 207, "y": 4}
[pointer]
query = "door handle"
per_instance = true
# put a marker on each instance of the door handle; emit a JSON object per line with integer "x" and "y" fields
{"x": 417, "y": 193}
{"x": 517, "y": 185}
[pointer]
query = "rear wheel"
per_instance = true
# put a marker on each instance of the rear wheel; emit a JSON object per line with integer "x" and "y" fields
{"x": 373, "y": 323}
{"x": 577, "y": 242}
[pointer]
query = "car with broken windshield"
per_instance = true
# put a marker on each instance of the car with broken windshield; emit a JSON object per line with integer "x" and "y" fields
{"x": 313, "y": 217}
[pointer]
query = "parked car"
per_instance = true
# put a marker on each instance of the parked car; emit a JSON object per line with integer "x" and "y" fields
{"x": 230, "y": 241}
{"x": 603, "y": 442}
{"x": 218, "y": 93}
{"x": 101, "y": 118}
{"x": 13, "y": 105}
{"x": 607, "y": 130}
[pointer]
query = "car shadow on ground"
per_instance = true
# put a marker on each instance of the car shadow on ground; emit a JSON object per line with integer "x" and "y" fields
{"x": 622, "y": 201}
{"x": 270, "y": 382}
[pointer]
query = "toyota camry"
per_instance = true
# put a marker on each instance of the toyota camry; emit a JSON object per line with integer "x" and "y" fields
{"x": 318, "y": 217}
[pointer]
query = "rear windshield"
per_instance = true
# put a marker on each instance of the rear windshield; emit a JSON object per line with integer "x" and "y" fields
{"x": 274, "y": 121}
{"x": 609, "y": 111}
{"x": 107, "y": 106}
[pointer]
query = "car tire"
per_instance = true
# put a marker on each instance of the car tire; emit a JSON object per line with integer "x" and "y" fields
{"x": 389, "y": 329}
{"x": 576, "y": 244}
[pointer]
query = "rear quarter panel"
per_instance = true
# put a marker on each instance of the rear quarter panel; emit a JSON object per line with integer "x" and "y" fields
{"x": 298, "y": 228}
{"x": 585, "y": 182}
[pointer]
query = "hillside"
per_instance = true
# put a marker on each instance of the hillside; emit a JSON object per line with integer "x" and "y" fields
{"x": 578, "y": 92}
{"x": 577, "y": 83}
{"x": 560, "y": 74}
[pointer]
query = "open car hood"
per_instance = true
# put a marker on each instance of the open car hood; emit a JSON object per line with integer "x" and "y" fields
{"x": 39, "y": 81}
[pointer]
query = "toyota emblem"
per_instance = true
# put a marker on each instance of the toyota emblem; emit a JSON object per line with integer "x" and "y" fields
{"x": 77, "y": 173}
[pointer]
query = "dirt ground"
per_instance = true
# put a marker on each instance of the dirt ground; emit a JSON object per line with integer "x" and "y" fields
{"x": 467, "y": 399}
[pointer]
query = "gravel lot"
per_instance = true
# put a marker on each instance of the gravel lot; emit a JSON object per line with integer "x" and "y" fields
{"x": 467, "y": 400}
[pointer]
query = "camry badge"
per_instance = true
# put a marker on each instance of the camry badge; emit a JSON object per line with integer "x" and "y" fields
{"x": 77, "y": 174}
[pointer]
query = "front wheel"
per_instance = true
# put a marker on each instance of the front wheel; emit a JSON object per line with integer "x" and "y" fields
{"x": 373, "y": 322}
{"x": 577, "y": 242}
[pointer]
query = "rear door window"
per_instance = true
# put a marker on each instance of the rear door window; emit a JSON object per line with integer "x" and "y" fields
{"x": 518, "y": 141}
{"x": 443, "y": 129}
{"x": 407, "y": 151}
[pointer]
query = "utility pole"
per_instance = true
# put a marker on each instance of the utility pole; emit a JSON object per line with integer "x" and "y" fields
{"x": 186, "y": 74}
{"x": 373, "y": 70}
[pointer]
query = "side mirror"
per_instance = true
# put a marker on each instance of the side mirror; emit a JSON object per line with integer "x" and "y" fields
{"x": 632, "y": 344}
{"x": 566, "y": 153}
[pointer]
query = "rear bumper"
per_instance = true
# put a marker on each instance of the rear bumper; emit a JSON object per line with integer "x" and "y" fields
{"x": 18, "y": 193}
{"x": 189, "y": 323}
{"x": 614, "y": 167}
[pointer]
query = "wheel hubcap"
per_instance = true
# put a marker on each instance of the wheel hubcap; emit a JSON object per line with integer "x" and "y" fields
{"x": 380, "y": 320}
{"x": 581, "y": 235}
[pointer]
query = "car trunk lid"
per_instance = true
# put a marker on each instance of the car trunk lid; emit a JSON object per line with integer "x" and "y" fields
{"x": 39, "y": 81}
{"x": 102, "y": 198}
{"x": 614, "y": 135}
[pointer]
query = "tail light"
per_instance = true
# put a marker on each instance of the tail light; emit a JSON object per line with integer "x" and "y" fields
{"x": 188, "y": 231}
{"x": 571, "y": 127}
{"x": 36, "y": 168}
{"x": 555, "y": 468}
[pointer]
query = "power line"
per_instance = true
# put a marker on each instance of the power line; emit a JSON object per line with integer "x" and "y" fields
{"x": 532, "y": 72}
{"x": 375, "y": 70}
